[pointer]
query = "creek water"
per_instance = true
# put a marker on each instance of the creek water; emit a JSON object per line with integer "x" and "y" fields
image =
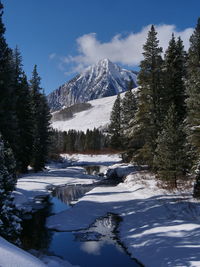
{"x": 93, "y": 247}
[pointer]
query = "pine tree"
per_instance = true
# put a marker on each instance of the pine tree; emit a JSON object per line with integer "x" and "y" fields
{"x": 174, "y": 78}
{"x": 193, "y": 103}
{"x": 23, "y": 115}
{"x": 41, "y": 130}
{"x": 8, "y": 121}
{"x": 128, "y": 110}
{"x": 82, "y": 142}
{"x": 170, "y": 157}
{"x": 9, "y": 222}
{"x": 115, "y": 125}
{"x": 149, "y": 114}
{"x": 97, "y": 139}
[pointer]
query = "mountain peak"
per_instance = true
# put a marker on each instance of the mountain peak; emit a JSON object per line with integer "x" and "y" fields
{"x": 100, "y": 80}
{"x": 105, "y": 62}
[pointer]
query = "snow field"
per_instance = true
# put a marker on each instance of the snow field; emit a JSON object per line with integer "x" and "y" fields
{"x": 96, "y": 117}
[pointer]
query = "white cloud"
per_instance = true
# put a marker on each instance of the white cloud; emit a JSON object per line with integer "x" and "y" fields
{"x": 125, "y": 50}
{"x": 52, "y": 56}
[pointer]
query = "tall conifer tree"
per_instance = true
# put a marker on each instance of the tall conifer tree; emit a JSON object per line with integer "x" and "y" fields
{"x": 170, "y": 155}
{"x": 23, "y": 114}
{"x": 149, "y": 115}
{"x": 128, "y": 109}
{"x": 115, "y": 125}
{"x": 193, "y": 103}
{"x": 9, "y": 223}
{"x": 41, "y": 130}
{"x": 174, "y": 78}
{"x": 8, "y": 121}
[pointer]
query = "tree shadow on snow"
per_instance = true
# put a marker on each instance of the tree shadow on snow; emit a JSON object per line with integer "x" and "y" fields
{"x": 160, "y": 231}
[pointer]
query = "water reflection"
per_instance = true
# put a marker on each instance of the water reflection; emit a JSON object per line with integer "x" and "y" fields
{"x": 101, "y": 233}
{"x": 70, "y": 193}
{"x": 96, "y": 246}
{"x": 35, "y": 235}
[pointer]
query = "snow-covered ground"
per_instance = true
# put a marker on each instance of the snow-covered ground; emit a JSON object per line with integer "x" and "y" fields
{"x": 12, "y": 256}
{"x": 35, "y": 185}
{"x": 159, "y": 228}
{"x": 96, "y": 117}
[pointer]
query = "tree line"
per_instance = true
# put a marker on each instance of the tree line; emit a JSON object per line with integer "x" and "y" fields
{"x": 77, "y": 141}
{"x": 160, "y": 126}
{"x": 24, "y": 129}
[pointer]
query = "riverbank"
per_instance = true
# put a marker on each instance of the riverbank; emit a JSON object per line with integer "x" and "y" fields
{"x": 30, "y": 192}
{"x": 158, "y": 227}
{"x": 33, "y": 185}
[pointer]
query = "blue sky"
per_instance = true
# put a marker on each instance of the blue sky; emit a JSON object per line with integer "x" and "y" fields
{"x": 65, "y": 36}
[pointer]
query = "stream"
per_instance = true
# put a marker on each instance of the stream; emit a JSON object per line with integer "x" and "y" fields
{"x": 95, "y": 246}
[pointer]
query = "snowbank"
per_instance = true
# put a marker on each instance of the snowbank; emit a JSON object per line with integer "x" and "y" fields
{"x": 12, "y": 256}
{"x": 121, "y": 170}
{"x": 98, "y": 159}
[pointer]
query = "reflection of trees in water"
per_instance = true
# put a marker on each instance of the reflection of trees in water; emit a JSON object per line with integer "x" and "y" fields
{"x": 101, "y": 233}
{"x": 70, "y": 193}
{"x": 35, "y": 235}
{"x": 104, "y": 228}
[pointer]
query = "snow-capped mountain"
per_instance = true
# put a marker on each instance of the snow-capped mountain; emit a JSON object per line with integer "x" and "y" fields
{"x": 100, "y": 80}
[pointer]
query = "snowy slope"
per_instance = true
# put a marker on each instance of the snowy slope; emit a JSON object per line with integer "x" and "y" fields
{"x": 12, "y": 256}
{"x": 100, "y": 80}
{"x": 96, "y": 117}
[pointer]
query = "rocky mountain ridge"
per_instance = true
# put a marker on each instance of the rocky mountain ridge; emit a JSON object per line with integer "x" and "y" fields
{"x": 100, "y": 80}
